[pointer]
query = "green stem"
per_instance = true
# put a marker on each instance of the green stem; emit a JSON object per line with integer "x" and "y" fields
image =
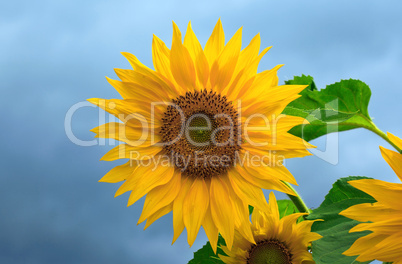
{"x": 298, "y": 201}
{"x": 387, "y": 262}
{"x": 373, "y": 128}
{"x": 376, "y": 130}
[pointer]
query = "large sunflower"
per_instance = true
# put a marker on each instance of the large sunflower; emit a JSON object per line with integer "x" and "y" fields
{"x": 384, "y": 218}
{"x": 277, "y": 241}
{"x": 203, "y": 133}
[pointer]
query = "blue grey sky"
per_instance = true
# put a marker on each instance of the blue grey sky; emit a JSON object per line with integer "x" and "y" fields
{"x": 55, "y": 54}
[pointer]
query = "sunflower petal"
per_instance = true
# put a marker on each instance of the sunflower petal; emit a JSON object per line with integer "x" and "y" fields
{"x": 160, "y": 197}
{"x": 145, "y": 71}
{"x": 377, "y": 188}
{"x": 221, "y": 210}
{"x": 197, "y": 54}
{"x": 195, "y": 206}
{"x": 178, "y": 224}
{"x": 121, "y": 132}
{"x": 181, "y": 62}
{"x": 369, "y": 212}
{"x": 248, "y": 54}
{"x": 223, "y": 68}
{"x": 396, "y": 140}
{"x": 119, "y": 173}
{"x": 249, "y": 193}
{"x": 161, "y": 57}
{"x": 211, "y": 230}
{"x": 124, "y": 151}
{"x": 149, "y": 180}
{"x": 394, "y": 159}
{"x": 215, "y": 43}
{"x": 158, "y": 214}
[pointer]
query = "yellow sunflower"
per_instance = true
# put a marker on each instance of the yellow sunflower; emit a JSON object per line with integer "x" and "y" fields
{"x": 203, "y": 133}
{"x": 277, "y": 241}
{"x": 384, "y": 218}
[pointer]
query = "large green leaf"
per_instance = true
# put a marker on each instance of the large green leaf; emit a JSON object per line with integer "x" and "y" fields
{"x": 340, "y": 106}
{"x": 335, "y": 228}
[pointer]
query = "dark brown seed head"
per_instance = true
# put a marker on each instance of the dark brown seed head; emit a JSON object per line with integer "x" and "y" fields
{"x": 201, "y": 133}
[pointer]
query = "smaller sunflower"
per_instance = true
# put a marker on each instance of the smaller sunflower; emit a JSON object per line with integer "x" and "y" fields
{"x": 279, "y": 241}
{"x": 384, "y": 218}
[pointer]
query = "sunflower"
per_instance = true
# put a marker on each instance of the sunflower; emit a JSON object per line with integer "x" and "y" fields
{"x": 384, "y": 218}
{"x": 203, "y": 133}
{"x": 277, "y": 241}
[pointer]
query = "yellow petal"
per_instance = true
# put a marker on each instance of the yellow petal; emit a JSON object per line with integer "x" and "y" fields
{"x": 160, "y": 197}
{"x": 145, "y": 71}
{"x": 195, "y": 205}
{"x": 197, "y": 54}
{"x": 131, "y": 112}
{"x": 396, "y": 140}
{"x": 394, "y": 159}
{"x": 273, "y": 206}
{"x": 388, "y": 226}
{"x": 389, "y": 194}
{"x": 273, "y": 100}
{"x": 215, "y": 43}
{"x": 369, "y": 212}
{"x": 181, "y": 64}
{"x": 178, "y": 224}
{"x": 121, "y": 132}
{"x": 388, "y": 249}
{"x": 211, "y": 230}
{"x": 363, "y": 245}
{"x": 249, "y": 193}
{"x": 132, "y": 180}
{"x": 221, "y": 210}
{"x": 270, "y": 174}
{"x": 262, "y": 82}
{"x": 241, "y": 217}
{"x": 148, "y": 180}
{"x": 137, "y": 86}
{"x": 124, "y": 151}
{"x": 161, "y": 57}
{"x": 158, "y": 214}
{"x": 223, "y": 68}
{"x": 119, "y": 173}
{"x": 238, "y": 86}
{"x": 272, "y": 183}
{"x": 248, "y": 54}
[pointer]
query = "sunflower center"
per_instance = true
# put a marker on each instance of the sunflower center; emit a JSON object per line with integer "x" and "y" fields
{"x": 199, "y": 129}
{"x": 269, "y": 252}
{"x": 201, "y": 133}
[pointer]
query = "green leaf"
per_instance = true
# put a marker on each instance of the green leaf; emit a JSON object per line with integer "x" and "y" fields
{"x": 286, "y": 207}
{"x": 206, "y": 255}
{"x": 335, "y": 228}
{"x": 339, "y": 107}
{"x": 250, "y": 209}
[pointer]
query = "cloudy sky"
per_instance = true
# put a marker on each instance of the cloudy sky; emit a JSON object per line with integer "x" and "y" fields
{"x": 55, "y": 54}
